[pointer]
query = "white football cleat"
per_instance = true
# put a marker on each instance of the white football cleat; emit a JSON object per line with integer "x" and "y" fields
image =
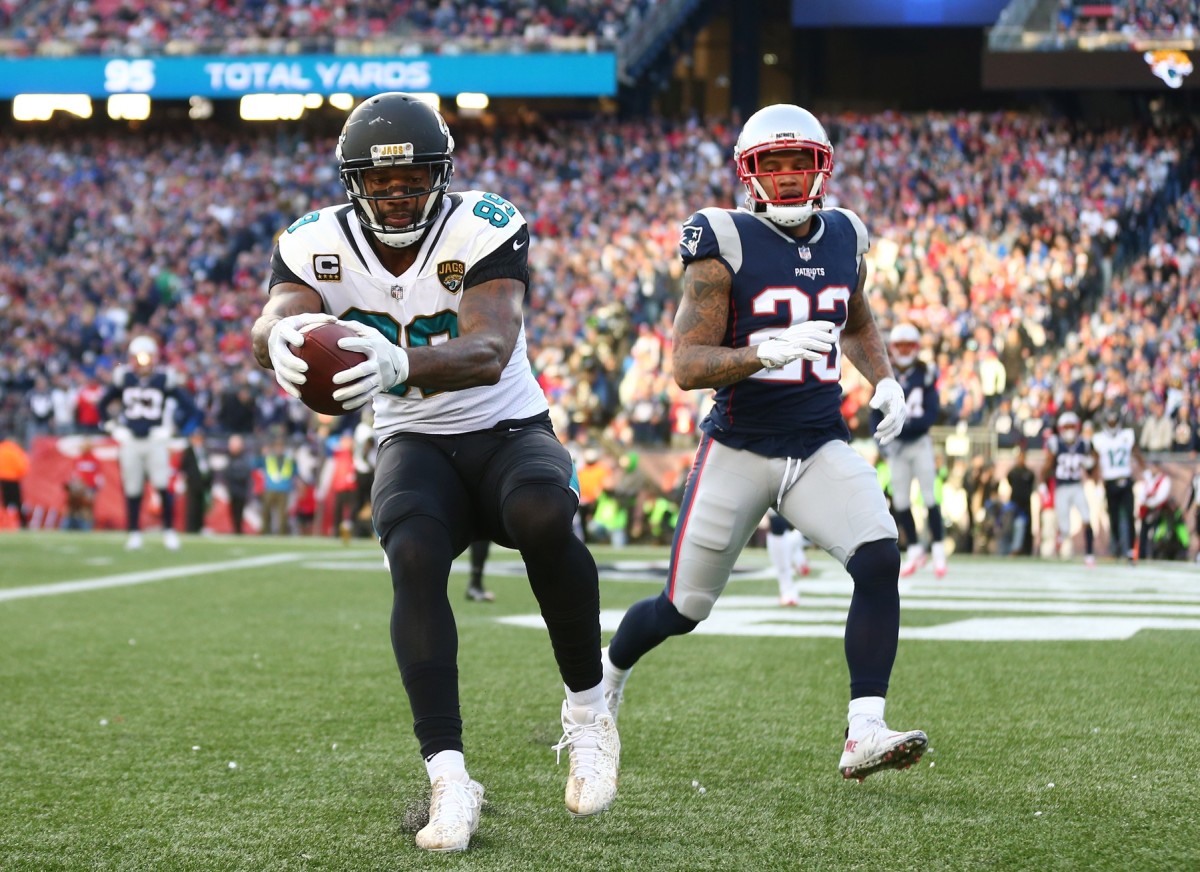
{"x": 939, "y": 568}
{"x": 880, "y": 748}
{"x": 789, "y": 600}
{"x": 453, "y": 815}
{"x": 134, "y": 542}
{"x": 594, "y": 749}
{"x": 171, "y": 540}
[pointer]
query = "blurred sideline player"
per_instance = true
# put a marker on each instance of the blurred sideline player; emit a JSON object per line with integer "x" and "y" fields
{"x": 479, "y": 556}
{"x": 785, "y": 547}
{"x": 1116, "y": 450}
{"x": 773, "y": 297}
{"x": 433, "y": 282}
{"x": 150, "y": 402}
{"x": 911, "y": 455}
{"x": 1068, "y": 461}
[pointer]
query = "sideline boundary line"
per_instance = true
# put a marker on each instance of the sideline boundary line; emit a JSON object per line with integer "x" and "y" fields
{"x": 149, "y": 575}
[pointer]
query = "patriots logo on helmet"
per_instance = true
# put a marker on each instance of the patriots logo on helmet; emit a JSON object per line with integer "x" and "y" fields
{"x": 690, "y": 238}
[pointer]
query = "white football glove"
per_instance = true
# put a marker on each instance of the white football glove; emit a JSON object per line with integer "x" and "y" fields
{"x": 385, "y": 367}
{"x": 119, "y": 432}
{"x": 290, "y": 369}
{"x": 811, "y": 340}
{"x": 889, "y": 399}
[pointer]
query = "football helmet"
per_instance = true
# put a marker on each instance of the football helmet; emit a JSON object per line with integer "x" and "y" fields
{"x": 783, "y": 127}
{"x": 395, "y": 130}
{"x": 903, "y": 342}
{"x": 143, "y": 353}
{"x": 1068, "y": 426}
{"x": 1112, "y": 419}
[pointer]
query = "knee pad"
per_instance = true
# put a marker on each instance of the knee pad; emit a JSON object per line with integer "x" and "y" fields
{"x": 537, "y": 513}
{"x": 669, "y": 620}
{"x": 875, "y": 563}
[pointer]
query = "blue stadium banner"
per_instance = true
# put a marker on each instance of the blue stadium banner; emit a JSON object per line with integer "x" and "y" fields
{"x": 896, "y": 13}
{"x": 216, "y": 76}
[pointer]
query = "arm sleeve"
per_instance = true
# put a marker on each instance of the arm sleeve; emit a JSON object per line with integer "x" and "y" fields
{"x": 508, "y": 260}
{"x": 281, "y": 272}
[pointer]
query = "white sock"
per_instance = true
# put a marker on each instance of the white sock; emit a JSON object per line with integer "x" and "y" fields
{"x": 863, "y": 710}
{"x": 585, "y": 700}
{"x": 447, "y": 764}
{"x": 614, "y": 676}
{"x": 939, "y": 552}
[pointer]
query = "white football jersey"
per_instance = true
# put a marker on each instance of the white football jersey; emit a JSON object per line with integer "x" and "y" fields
{"x": 476, "y": 235}
{"x": 1115, "y": 451}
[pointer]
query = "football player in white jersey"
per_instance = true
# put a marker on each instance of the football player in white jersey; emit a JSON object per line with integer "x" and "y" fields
{"x": 432, "y": 282}
{"x": 1116, "y": 451}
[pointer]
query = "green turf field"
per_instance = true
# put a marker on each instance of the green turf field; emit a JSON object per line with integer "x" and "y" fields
{"x": 235, "y": 706}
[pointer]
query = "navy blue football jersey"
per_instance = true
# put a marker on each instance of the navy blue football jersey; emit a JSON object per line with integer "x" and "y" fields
{"x": 1070, "y": 461}
{"x": 921, "y": 398}
{"x": 147, "y": 401}
{"x": 779, "y": 281}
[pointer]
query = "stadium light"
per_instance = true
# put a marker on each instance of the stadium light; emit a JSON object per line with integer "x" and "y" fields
{"x": 272, "y": 107}
{"x": 40, "y": 107}
{"x": 313, "y": 101}
{"x": 345, "y": 102}
{"x": 130, "y": 107}
{"x": 199, "y": 108}
{"x": 472, "y": 100}
{"x": 432, "y": 99}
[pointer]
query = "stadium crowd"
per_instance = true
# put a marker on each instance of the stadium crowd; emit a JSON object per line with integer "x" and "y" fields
{"x": 1130, "y": 18}
{"x": 58, "y": 27}
{"x": 1019, "y": 263}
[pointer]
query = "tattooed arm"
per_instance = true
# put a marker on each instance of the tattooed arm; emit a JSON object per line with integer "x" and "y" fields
{"x": 286, "y": 299}
{"x": 700, "y": 360}
{"x": 862, "y": 342}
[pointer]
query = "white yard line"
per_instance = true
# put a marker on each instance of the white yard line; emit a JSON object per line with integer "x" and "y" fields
{"x": 149, "y": 575}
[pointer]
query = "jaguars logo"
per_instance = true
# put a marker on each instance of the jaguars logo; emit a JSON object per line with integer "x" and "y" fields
{"x": 451, "y": 274}
{"x": 1170, "y": 65}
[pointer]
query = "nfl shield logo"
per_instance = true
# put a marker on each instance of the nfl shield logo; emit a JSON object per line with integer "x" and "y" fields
{"x": 805, "y": 254}
{"x": 397, "y": 292}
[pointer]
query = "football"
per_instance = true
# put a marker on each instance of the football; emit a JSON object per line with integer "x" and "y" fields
{"x": 325, "y": 360}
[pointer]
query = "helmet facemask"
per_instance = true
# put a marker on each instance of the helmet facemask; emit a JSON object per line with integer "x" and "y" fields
{"x": 381, "y": 202}
{"x": 786, "y": 203}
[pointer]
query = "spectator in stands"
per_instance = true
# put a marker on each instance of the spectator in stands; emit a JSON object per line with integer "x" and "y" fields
{"x": 1157, "y": 431}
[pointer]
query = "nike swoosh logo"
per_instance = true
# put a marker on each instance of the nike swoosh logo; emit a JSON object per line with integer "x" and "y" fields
{"x": 517, "y": 245}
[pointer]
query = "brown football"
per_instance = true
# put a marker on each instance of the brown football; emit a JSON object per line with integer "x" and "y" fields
{"x": 325, "y": 359}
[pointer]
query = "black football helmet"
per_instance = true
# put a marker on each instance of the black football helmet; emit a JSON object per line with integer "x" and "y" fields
{"x": 395, "y": 129}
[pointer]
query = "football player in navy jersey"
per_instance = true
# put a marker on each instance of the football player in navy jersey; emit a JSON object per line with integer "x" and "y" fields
{"x": 1069, "y": 460}
{"x": 911, "y": 456}
{"x": 150, "y": 404}
{"x": 432, "y": 283}
{"x": 773, "y": 296}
